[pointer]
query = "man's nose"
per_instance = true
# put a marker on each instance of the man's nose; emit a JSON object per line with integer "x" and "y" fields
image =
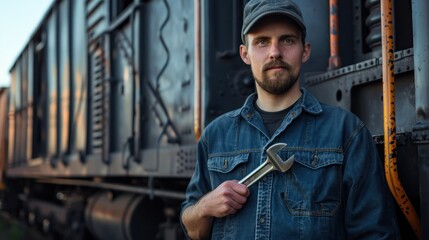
{"x": 275, "y": 52}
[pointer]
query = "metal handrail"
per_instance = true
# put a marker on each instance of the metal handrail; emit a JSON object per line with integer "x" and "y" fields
{"x": 390, "y": 149}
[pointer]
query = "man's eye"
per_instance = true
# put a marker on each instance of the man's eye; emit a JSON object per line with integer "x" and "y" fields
{"x": 261, "y": 42}
{"x": 288, "y": 41}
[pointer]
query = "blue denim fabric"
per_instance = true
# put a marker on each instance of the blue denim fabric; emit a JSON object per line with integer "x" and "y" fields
{"x": 334, "y": 190}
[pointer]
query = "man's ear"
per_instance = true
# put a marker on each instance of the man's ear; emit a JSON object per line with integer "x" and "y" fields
{"x": 244, "y": 54}
{"x": 306, "y": 53}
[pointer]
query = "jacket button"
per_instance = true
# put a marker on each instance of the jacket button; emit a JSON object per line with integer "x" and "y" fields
{"x": 314, "y": 162}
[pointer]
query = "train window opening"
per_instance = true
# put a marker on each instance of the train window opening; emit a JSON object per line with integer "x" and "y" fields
{"x": 403, "y": 28}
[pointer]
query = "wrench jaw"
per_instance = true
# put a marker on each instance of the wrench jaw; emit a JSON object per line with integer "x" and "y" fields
{"x": 276, "y": 160}
{"x": 273, "y": 162}
{"x": 284, "y": 166}
{"x": 274, "y": 149}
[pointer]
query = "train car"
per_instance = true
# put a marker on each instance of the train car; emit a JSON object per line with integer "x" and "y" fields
{"x": 108, "y": 99}
{"x": 3, "y": 131}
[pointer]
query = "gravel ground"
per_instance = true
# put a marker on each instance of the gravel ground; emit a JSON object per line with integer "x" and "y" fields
{"x": 10, "y": 229}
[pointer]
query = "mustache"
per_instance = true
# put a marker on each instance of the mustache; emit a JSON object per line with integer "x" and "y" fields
{"x": 275, "y": 64}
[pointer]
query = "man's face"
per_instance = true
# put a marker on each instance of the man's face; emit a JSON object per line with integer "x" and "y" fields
{"x": 275, "y": 51}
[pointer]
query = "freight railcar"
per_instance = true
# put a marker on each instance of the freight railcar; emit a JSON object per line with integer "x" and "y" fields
{"x": 108, "y": 98}
{"x": 3, "y": 131}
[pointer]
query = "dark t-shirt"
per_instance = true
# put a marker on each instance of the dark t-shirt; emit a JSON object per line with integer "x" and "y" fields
{"x": 272, "y": 120}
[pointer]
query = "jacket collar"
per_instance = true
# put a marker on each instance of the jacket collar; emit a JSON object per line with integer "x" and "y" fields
{"x": 308, "y": 102}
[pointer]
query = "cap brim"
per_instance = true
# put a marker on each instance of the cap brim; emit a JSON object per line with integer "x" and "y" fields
{"x": 288, "y": 14}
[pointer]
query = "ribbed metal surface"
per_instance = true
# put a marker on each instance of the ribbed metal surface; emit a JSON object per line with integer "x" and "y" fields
{"x": 97, "y": 102}
{"x": 373, "y": 22}
{"x": 96, "y": 18}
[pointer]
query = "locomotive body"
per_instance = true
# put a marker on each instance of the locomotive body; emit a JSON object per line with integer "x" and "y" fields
{"x": 108, "y": 98}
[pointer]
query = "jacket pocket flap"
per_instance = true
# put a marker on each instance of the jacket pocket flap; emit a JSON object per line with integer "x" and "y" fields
{"x": 318, "y": 159}
{"x": 225, "y": 164}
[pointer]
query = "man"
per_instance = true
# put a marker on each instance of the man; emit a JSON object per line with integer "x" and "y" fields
{"x": 335, "y": 189}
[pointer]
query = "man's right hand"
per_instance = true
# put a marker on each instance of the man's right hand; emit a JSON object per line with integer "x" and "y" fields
{"x": 226, "y": 199}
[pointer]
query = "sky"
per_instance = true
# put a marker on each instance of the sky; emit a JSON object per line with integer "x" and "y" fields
{"x": 18, "y": 20}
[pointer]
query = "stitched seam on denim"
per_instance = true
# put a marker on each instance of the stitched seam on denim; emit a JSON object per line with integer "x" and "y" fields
{"x": 353, "y": 136}
{"x": 234, "y": 153}
{"x": 319, "y": 150}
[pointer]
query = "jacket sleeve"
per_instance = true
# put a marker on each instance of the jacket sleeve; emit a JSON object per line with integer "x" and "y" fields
{"x": 368, "y": 204}
{"x": 199, "y": 184}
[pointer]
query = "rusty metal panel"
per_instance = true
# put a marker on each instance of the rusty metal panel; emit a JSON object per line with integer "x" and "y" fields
{"x": 52, "y": 84}
{"x": 3, "y": 133}
{"x": 79, "y": 78}
{"x": 64, "y": 81}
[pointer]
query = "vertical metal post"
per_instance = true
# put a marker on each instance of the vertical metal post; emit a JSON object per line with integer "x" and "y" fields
{"x": 390, "y": 150}
{"x": 334, "y": 59}
{"x": 420, "y": 14}
{"x": 197, "y": 70}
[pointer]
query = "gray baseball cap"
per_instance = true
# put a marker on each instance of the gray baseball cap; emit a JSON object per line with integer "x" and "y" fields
{"x": 255, "y": 10}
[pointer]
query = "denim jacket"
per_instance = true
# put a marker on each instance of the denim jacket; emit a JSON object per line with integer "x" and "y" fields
{"x": 335, "y": 189}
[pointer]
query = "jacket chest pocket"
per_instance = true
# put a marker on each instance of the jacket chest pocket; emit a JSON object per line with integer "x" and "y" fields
{"x": 313, "y": 186}
{"x": 231, "y": 167}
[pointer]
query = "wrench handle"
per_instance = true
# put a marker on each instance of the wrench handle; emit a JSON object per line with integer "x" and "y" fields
{"x": 257, "y": 174}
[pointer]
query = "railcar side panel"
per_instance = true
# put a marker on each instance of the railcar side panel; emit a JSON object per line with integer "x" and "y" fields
{"x": 3, "y": 136}
{"x": 101, "y": 105}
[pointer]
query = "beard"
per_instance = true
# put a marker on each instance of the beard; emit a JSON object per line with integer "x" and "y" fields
{"x": 281, "y": 82}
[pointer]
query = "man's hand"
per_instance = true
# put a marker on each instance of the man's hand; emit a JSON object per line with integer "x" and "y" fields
{"x": 226, "y": 199}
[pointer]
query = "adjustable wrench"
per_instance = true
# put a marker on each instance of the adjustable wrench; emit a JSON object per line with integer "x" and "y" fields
{"x": 273, "y": 162}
